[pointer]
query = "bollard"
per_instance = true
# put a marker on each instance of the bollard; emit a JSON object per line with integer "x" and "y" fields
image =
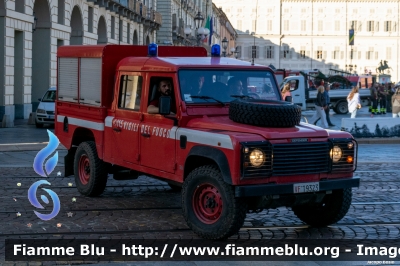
{"x": 32, "y": 118}
{"x": 7, "y": 122}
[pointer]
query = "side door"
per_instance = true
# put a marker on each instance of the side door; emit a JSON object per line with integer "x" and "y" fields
{"x": 157, "y": 132}
{"x": 297, "y": 89}
{"x": 126, "y": 124}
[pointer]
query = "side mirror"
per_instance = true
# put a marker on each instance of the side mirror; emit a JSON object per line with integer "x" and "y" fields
{"x": 165, "y": 105}
{"x": 288, "y": 99}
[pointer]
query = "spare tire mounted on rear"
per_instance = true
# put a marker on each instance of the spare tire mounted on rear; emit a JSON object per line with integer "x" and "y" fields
{"x": 265, "y": 113}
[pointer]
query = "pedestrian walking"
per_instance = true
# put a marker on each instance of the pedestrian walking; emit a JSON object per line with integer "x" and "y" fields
{"x": 320, "y": 105}
{"x": 383, "y": 93}
{"x": 353, "y": 101}
{"x": 286, "y": 91}
{"x": 396, "y": 103}
{"x": 328, "y": 102}
{"x": 374, "y": 98}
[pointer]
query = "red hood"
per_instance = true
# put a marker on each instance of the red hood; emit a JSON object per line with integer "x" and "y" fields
{"x": 224, "y": 123}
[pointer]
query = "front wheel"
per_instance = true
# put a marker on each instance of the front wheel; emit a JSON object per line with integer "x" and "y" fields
{"x": 331, "y": 210}
{"x": 90, "y": 172}
{"x": 209, "y": 204}
{"x": 341, "y": 108}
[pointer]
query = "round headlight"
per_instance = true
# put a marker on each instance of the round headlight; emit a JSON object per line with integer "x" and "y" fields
{"x": 257, "y": 158}
{"x": 350, "y": 145}
{"x": 336, "y": 153}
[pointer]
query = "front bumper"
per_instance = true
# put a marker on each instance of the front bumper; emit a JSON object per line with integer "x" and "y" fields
{"x": 279, "y": 189}
{"x": 44, "y": 119}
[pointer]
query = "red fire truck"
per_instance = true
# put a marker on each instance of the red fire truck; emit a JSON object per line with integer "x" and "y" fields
{"x": 228, "y": 153}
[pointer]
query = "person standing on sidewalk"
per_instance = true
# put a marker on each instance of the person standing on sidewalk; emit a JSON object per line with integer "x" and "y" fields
{"x": 396, "y": 103}
{"x": 374, "y": 98}
{"x": 320, "y": 105}
{"x": 328, "y": 102}
{"x": 354, "y": 102}
{"x": 383, "y": 94}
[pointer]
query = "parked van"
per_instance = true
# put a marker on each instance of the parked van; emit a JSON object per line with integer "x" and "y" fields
{"x": 45, "y": 110}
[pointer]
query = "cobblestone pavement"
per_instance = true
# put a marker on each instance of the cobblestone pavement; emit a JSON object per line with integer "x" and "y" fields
{"x": 148, "y": 209}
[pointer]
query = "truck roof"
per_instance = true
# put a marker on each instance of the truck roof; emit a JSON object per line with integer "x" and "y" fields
{"x": 170, "y": 64}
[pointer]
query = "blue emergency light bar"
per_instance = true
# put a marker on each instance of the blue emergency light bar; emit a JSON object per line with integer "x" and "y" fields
{"x": 152, "y": 49}
{"x": 216, "y": 50}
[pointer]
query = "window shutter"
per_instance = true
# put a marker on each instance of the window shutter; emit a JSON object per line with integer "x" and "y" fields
{"x": 68, "y": 81}
{"x": 377, "y": 26}
{"x": 342, "y": 55}
{"x": 90, "y": 81}
{"x": 366, "y": 55}
{"x": 359, "y": 54}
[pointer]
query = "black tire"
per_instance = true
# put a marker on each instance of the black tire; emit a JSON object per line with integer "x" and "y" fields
{"x": 38, "y": 125}
{"x": 90, "y": 172}
{"x": 331, "y": 210}
{"x": 224, "y": 214}
{"x": 175, "y": 187}
{"x": 266, "y": 113}
{"x": 341, "y": 108}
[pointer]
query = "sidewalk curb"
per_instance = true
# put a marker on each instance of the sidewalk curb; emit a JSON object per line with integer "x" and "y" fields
{"x": 25, "y": 147}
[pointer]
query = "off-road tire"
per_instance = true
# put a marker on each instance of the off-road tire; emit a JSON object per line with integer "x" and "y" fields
{"x": 232, "y": 210}
{"x": 331, "y": 210}
{"x": 341, "y": 108}
{"x": 38, "y": 125}
{"x": 90, "y": 172}
{"x": 265, "y": 113}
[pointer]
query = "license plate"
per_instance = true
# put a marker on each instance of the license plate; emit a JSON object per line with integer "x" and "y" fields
{"x": 306, "y": 187}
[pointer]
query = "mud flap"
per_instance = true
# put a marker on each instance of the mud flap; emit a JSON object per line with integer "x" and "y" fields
{"x": 69, "y": 162}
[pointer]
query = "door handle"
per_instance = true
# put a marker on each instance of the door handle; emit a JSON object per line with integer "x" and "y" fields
{"x": 146, "y": 135}
{"x": 116, "y": 129}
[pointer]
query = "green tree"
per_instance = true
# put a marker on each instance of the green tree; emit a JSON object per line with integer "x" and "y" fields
{"x": 378, "y": 131}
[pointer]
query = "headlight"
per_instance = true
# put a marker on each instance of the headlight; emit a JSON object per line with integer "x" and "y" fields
{"x": 336, "y": 153}
{"x": 257, "y": 158}
{"x": 40, "y": 111}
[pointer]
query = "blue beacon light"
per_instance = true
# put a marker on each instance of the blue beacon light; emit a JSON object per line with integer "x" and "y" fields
{"x": 152, "y": 49}
{"x": 216, "y": 50}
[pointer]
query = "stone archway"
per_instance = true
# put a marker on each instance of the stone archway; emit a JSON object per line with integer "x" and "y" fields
{"x": 41, "y": 47}
{"x": 76, "y": 27}
{"x": 135, "y": 38}
{"x": 102, "y": 31}
{"x": 147, "y": 40}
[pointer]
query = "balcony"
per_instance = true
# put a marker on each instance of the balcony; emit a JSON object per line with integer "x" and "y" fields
{"x": 134, "y": 10}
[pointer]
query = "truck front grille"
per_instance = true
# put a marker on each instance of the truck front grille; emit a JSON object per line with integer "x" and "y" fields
{"x": 288, "y": 159}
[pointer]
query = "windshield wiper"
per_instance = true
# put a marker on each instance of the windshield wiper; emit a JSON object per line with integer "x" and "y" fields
{"x": 207, "y": 98}
{"x": 242, "y": 96}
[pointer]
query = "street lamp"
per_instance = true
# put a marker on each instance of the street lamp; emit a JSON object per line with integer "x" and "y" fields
{"x": 224, "y": 46}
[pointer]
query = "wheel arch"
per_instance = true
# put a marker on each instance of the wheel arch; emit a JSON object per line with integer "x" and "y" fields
{"x": 80, "y": 135}
{"x": 203, "y": 155}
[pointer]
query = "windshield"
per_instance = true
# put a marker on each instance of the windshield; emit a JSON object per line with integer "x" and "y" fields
{"x": 226, "y": 85}
{"x": 50, "y": 96}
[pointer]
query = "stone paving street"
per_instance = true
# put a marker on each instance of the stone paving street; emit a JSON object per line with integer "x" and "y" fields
{"x": 148, "y": 209}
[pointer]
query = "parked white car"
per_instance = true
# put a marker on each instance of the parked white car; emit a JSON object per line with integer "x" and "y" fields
{"x": 45, "y": 110}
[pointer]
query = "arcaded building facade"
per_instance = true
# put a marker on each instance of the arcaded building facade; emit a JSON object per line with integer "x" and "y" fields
{"x": 308, "y": 34}
{"x": 31, "y": 31}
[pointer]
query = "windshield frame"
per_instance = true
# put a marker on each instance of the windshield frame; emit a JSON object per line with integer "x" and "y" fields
{"x": 184, "y": 75}
{"x": 45, "y": 99}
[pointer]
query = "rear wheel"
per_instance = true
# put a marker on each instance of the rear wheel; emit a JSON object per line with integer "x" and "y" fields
{"x": 341, "y": 108}
{"x": 331, "y": 210}
{"x": 209, "y": 204}
{"x": 90, "y": 172}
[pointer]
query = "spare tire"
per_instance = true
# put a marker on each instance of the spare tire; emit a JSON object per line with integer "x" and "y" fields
{"x": 265, "y": 113}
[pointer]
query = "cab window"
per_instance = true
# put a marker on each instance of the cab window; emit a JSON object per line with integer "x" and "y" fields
{"x": 130, "y": 92}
